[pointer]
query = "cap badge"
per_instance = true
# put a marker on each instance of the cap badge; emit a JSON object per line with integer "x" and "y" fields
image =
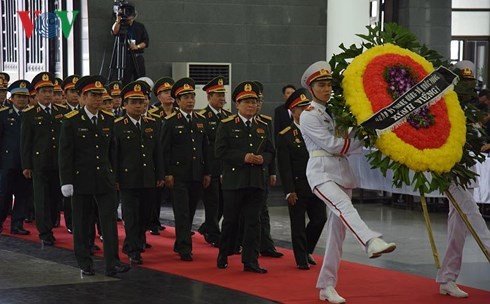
{"x": 98, "y": 84}
{"x": 247, "y": 87}
{"x": 45, "y": 77}
{"x": 116, "y": 86}
{"x": 303, "y": 97}
{"x": 74, "y": 80}
{"x": 187, "y": 86}
{"x": 323, "y": 72}
{"x": 220, "y": 81}
{"x": 137, "y": 88}
{"x": 166, "y": 85}
{"x": 22, "y": 85}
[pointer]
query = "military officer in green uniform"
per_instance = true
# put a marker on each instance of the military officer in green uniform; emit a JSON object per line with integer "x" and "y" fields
{"x": 138, "y": 164}
{"x": 115, "y": 92}
{"x": 292, "y": 158}
{"x": 39, "y": 154}
{"x": 71, "y": 94}
{"x": 244, "y": 144}
{"x": 213, "y": 195}
{"x": 4, "y": 82}
{"x": 185, "y": 153}
{"x": 162, "y": 89}
{"x": 87, "y": 175}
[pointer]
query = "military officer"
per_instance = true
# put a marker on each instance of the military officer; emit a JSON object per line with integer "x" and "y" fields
{"x": 115, "y": 92}
{"x": 39, "y": 154}
{"x": 107, "y": 101}
{"x": 86, "y": 174}
{"x": 185, "y": 152}
{"x": 292, "y": 158}
{"x": 138, "y": 165}
{"x": 331, "y": 179}
{"x": 244, "y": 144}
{"x": 162, "y": 89}
{"x": 57, "y": 91}
{"x": 213, "y": 195}
{"x": 4, "y": 82}
{"x": 13, "y": 182}
{"x": 71, "y": 94}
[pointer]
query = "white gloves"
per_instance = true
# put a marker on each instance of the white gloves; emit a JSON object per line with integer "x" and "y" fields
{"x": 67, "y": 190}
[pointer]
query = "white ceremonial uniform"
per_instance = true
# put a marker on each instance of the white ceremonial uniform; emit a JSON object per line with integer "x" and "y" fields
{"x": 457, "y": 232}
{"x": 332, "y": 180}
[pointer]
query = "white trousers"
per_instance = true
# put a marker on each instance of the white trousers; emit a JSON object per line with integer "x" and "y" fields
{"x": 341, "y": 216}
{"x": 457, "y": 231}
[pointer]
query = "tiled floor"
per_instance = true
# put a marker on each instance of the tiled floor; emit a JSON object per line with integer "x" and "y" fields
{"x": 31, "y": 275}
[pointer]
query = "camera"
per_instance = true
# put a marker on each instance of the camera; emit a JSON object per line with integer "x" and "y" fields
{"x": 123, "y": 9}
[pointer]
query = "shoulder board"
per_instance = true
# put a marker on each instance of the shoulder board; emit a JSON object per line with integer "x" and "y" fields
{"x": 202, "y": 112}
{"x": 309, "y": 108}
{"x": 71, "y": 114}
{"x": 154, "y": 115}
{"x": 200, "y": 115}
{"x": 285, "y": 130}
{"x": 227, "y": 112}
{"x": 170, "y": 115}
{"x": 229, "y": 118}
{"x": 118, "y": 119}
{"x": 3, "y": 109}
{"x": 152, "y": 110}
{"x": 265, "y": 117}
{"x": 28, "y": 109}
{"x": 61, "y": 106}
{"x": 261, "y": 121}
{"x": 149, "y": 118}
{"x": 107, "y": 112}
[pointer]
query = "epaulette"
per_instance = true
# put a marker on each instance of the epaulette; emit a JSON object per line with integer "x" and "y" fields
{"x": 71, "y": 114}
{"x": 149, "y": 118}
{"x": 153, "y": 115}
{"x": 309, "y": 108}
{"x": 261, "y": 121}
{"x": 170, "y": 115}
{"x": 152, "y": 110}
{"x": 202, "y": 112}
{"x": 61, "y": 105}
{"x": 28, "y": 109}
{"x": 118, "y": 119}
{"x": 107, "y": 112}
{"x": 227, "y": 112}
{"x": 229, "y": 118}
{"x": 285, "y": 130}
{"x": 263, "y": 116}
{"x": 200, "y": 115}
{"x": 3, "y": 109}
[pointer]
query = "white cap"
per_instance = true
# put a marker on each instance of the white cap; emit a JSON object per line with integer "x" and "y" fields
{"x": 467, "y": 69}
{"x": 319, "y": 70}
{"x": 147, "y": 80}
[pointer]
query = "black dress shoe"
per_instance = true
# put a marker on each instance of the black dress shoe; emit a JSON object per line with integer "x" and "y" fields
{"x": 52, "y": 238}
{"x": 119, "y": 268}
{"x": 222, "y": 261}
{"x": 254, "y": 267}
{"x": 186, "y": 257}
{"x": 70, "y": 231}
{"x": 47, "y": 242}
{"x": 155, "y": 231}
{"x": 161, "y": 227}
{"x": 87, "y": 271}
{"x": 20, "y": 231}
{"x": 137, "y": 260}
{"x": 148, "y": 246}
{"x": 304, "y": 267}
{"x": 311, "y": 260}
{"x": 272, "y": 254}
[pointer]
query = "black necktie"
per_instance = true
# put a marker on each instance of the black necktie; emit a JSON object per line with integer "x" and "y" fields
{"x": 219, "y": 115}
{"x": 248, "y": 123}
{"x": 94, "y": 120}
{"x": 189, "y": 119}
{"x": 48, "y": 110}
{"x": 138, "y": 125}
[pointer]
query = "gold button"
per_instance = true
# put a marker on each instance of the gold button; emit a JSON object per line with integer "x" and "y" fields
{"x": 192, "y": 131}
{"x": 125, "y": 170}
{"x": 96, "y": 135}
{"x": 193, "y": 140}
{"x": 144, "y": 165}
{"x": 54, "y": 138}
{"x": 96, "y": 146}
{"x": 144, "y": 155}
{"x": 232, "y": 169}
{"x": 249, "y": 135}
{"x": 194, "y": 158}
{"x": 83, "y": 136}
{"x": 142, "y": 146}
{"x": 97, "y": 157}
{"x": 194, "y": 148}
{"x": 52, "y": 130}
{"x": 251, "y": 145}
{"x": 98, "y": 168}
{"x": 37, "y": 153}
{"x": 54, "y": 146}
{"x": 6, "y": 151}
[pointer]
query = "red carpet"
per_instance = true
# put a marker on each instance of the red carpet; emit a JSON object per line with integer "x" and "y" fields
{"x": 284, "y": 283}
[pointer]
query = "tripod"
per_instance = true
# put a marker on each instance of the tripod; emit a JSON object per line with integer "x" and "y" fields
{"x": 119, "y": 56}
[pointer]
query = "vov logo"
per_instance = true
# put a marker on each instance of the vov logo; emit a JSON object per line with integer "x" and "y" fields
{"x": 48, "y": 24}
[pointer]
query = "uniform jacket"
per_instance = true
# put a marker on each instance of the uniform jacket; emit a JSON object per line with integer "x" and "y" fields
{"x": 185, "y": 147}
{"x": 233, "y": 142}
{"x": 215, "y": 164}
{"x": 319, "y": 132}
{"x": 40, "y": 137}
{"x": 271, "y": 169}
{"x": 137, "y": 155}
{"x": 292, "y": 158}
{"x": 85, "y": 153}
{"x": 10, "y": 123}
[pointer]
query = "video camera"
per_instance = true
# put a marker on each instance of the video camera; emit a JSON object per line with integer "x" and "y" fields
{"x": 124, "y": 9}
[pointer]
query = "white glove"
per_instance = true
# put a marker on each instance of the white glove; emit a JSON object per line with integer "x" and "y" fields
{"x": 67, "y": 190}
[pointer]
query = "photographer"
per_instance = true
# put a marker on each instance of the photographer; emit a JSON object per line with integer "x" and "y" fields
{"x": 137, "y": 38}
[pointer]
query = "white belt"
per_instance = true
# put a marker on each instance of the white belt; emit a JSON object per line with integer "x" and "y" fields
{"x": 323, "y": 153}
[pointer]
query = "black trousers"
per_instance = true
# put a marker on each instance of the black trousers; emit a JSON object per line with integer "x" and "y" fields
{"x": 13, "y": 182}
{"x": 135, "y": 68}
{"x": 83, "y": 219}
{"x": 266, "y": 242}
{"x": 305, "y": 237}
{"x": 156, "y": 204}
{"x": 136, "y": 209}
{"x": 247, "y": 202}
{"x": 47, "y": 194}
{"x": 185, "y": 196}
{"x": 212, "y": 199}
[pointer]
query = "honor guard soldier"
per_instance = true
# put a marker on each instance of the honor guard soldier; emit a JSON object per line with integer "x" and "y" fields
{"x": 39, "y": 154}
{"x": 138, "y": 164}
{"x": 4, "y": 82}
{"x": 71, "y": 94}
{"x": 86, "y": 174}
{"x": 213, "y": 195}
{"x": 13, "y": 182}
{"x": 292, "y": 158}
{"x": 244, "y": 144}
{"x": 162, "y": 89}
{"x": 185, "y": 152}
{"x": 115, "y": 92}
{"x": 332, "y": 180}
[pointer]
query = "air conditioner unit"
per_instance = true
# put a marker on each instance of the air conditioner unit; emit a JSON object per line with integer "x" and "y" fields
{"x": 202, "y": 73}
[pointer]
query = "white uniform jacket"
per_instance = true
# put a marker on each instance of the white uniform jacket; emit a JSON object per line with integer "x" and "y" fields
{"x": 328, "y": 152}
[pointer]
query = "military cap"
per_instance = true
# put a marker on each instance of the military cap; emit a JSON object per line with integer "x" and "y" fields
{"x": 216, "y": 84}
{"x": 465, "y": 69}
{"x": 57, "y": 84}
{"x": 246, "y": 89}
{"x": 147, "y": 80}
{"x": 4, "y": 80}
{"x": 32, "y": 91}
{"x": 106, "y": 95}
{"x": 92, "y": 83}
{"x": 69, "y": 82}
{"x": 319, "y": 70}
{"x": 145, "y": 87}
{"x": 183, "y": 86}
{"x": 163, "y": 84}
{"x": 114, "y": 88}
{"x": 43, "y": 79}
{"x": 20, "y": 87}
{"x": 133, "y": 90}
{"x": 297, "y": 99}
